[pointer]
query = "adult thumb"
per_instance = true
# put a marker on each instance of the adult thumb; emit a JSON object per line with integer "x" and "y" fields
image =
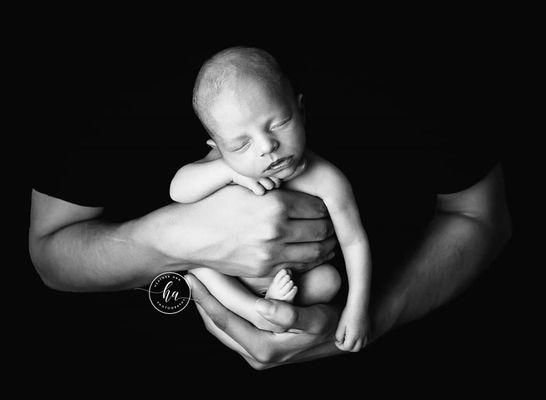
{"x": 277, "y": 312}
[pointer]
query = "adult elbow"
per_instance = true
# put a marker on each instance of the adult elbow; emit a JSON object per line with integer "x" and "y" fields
{"x": 499, "y": 226}
{"x": 49, "y": 281}
{"x": 45, "y": 274}
{"x": 43, "y": 268}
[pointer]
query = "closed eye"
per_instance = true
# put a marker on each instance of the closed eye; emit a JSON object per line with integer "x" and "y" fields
{"x": 242, "y": 146}
{"x": 280, "y": 124}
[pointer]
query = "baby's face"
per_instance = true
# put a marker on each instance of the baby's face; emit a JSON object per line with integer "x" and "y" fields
{"x": 257, "y": 133}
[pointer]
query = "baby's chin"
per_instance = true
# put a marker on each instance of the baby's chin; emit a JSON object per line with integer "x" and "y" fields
{"x": 293, "y": 171}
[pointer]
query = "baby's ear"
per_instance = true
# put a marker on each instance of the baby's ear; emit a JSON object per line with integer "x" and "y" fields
{"x": 212, "y": 143}
{"x": 299, "y": 98}
{"x": 301, "y": 106}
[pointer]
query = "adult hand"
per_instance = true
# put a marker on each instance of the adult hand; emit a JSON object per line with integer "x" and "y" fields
{"x": 238, "y": 233}
{"x": 309, "y": 335}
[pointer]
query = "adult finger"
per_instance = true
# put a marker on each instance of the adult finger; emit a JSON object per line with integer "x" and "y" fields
{"x": 297, "y": 267}
{"x": 220, "y": 334}
{"x": 254, "y": 341}
{"x": 302, "y": 266}
{"x": 307, "y": 230}
{"x": 223, "y": 318}
{"x": 319, "y": 319}
{"x": 264, "y": 346}
{"x": 304, "y": 206}
{"x": 326, "y": 349}
{"x": 308, "y": 252}
{"x": 230, "y": 343}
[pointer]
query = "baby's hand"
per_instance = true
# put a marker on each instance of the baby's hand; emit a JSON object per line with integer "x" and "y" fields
{"x": 352, "y": 332}
{"x": 258, "y": 186}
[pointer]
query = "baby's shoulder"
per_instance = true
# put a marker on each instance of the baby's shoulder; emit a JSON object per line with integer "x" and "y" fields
{"x": 319, "y": 178}
{"x": 322, "y": 169}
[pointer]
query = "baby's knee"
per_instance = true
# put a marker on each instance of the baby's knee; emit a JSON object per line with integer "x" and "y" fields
{"x": 321, "y": 284}
{"x": 331, "y": 280}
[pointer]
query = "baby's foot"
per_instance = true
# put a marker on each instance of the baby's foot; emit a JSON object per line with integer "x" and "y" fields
{"x": 282, "y": 287}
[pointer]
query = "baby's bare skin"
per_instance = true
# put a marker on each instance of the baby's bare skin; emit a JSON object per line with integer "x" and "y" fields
{"x": 257, "y": 132}
{"x": 282, "y": 287}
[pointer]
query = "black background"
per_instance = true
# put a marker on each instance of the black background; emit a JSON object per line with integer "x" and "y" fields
{"x": 76, "y": 82}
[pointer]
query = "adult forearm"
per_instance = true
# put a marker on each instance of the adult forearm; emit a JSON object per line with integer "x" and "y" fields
{"x": 454, "y": 251}
{"x": 232, "y": 231}
{"x": 96, "y": 256}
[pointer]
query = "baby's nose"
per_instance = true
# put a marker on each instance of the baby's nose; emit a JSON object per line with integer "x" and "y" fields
{"x": 269, "y": 145}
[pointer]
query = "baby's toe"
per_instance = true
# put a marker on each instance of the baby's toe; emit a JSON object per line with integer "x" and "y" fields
{"x": 284, "y": 280}
{"x": 283, "y": 272}
{"x": 288, "y": 286}
{"x": 291, "y": 294}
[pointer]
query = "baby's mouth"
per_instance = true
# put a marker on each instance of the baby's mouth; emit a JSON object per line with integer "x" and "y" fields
{"x": 279, "y": 164}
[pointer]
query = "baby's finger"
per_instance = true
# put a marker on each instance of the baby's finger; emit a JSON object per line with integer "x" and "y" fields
{"x": 343, "y": 346}
{"x": 340, "y": 346}
{"x": 284, "y": 280}
{"x": 267, "y": 183}
{"x": 276, "y": 181}
{"x": 357, "y": 347}
{"x": 257, "y": 188}
{"x": 349, "y": 342}
{"x": 340, "y": 334}
{"x": 365, "y": 340}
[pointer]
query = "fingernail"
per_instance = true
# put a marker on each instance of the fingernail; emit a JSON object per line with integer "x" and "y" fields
{"x": 263, "y": 306}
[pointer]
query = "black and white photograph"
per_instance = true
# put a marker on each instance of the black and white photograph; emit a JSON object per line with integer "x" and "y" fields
{"x": 306, "y": 213}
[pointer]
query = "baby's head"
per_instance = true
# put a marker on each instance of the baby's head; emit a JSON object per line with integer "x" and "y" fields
{"x": 251, "y": 113}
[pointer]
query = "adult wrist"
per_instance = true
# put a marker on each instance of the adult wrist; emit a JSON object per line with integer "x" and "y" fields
{"x": 147, "y": 234}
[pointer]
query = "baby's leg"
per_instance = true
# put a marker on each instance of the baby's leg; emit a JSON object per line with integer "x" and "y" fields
{"x": 318, "y": 285}
{"x": 234, "y": 295}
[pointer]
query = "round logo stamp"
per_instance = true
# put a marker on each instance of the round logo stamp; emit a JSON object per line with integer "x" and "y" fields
{"x": 169, "y": 293}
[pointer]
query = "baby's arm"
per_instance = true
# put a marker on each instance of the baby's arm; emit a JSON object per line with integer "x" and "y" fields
{"x": 326, "y": 181}
{"x": 199, "y": 179}
{"x": 352, "y": 331}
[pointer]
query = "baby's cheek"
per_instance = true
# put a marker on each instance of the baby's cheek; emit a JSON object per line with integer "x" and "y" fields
{"x": 244, "y": 166}
{"x": 256, "y": 170}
